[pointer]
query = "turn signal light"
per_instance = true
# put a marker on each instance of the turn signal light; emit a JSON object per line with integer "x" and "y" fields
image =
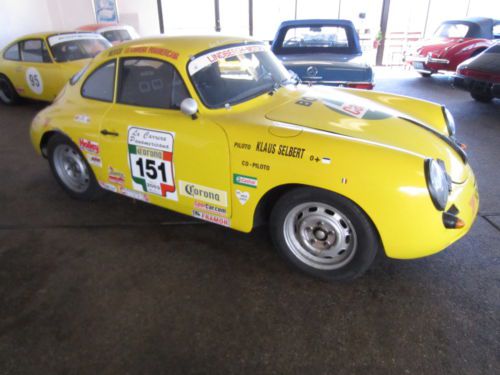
{"x": 451, "y": 221}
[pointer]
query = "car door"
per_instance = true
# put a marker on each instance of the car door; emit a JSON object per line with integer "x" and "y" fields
{"x": 153, "y": 152}
{"x": 40, "y": 77}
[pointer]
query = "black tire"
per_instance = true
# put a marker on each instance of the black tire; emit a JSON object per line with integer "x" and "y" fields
{"x": 425, "y": 75}
{"x": 364, "y": 237}
{"x": 482, "y": 97}
{"x": 8, "y": 94}
{"x": 89, "y": 190}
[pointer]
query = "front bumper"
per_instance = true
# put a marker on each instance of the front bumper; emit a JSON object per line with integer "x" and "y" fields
{"x": 429, "y": 64}
{"x": 429, "y": 235}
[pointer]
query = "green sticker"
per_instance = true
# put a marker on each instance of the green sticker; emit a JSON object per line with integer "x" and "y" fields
{"x": 242, "y": 180}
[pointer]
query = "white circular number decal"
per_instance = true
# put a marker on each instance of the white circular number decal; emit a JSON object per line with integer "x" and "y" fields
{"x": 34, "y": 80}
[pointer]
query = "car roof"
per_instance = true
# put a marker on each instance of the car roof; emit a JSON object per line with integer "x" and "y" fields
{"x": 96, "y": 26}
{"x": 483, "y": 26}
{"x": 316, "y": 22}
{"x": 184, "y": 46}
{"x": 45, "y": 34}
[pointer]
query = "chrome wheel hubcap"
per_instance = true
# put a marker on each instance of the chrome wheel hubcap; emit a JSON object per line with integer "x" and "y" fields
{"x": 71, "y": 168}
{"x": 320, "y": 236}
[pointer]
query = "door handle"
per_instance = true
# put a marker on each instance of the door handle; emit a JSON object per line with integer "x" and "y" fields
{"x": 107, "y": 132}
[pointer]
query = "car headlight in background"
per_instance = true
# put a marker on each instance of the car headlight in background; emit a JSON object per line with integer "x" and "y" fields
{"x": 450, "y": 121}
{"x": 438, "y": 182}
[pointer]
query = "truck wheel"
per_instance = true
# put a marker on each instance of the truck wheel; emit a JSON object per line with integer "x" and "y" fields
{"x": 8, "y": 94}
{"x": 323, "y": 234}
{"x": 71, "y": 170}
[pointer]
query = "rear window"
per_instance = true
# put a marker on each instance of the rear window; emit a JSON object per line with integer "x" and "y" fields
{"x": 317, "y": 39}
{"x": 101, "y": 83}
{"x": 116, "y": 35}
{"x": 322, "y": 36}
{"x": 12, "y": 53}
{"x": 71, "y": 47}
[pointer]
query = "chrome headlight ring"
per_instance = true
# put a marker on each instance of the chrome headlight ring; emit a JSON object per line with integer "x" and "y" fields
{"x": 438, "y": 182}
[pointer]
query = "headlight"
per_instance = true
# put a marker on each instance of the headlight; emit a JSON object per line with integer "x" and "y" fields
{"x": 450, "y": 121}
{"x": 437, "y": 182}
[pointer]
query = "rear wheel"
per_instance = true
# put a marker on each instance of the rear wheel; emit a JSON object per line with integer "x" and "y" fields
{"x": 482, "y": 97}
{"x": 71, "y": 170}
{"x": 425, "y": 75}
{"x": 323, "y": 234}
{"x": 8, "y": 94}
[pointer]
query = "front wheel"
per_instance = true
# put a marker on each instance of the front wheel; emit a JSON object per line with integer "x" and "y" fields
{"x": 323, "y": 234}
{"x": 71, "y": 170}
{"x": 8, "y": 94}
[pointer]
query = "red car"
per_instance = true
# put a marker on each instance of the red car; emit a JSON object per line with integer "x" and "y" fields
{"x": 113, "y": 32}
{"x": 480, "y": 75}
{"x": 454, "y": 42}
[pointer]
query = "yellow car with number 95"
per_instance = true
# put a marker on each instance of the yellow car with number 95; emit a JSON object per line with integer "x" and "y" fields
{"x": 37, "y": 66}
{"x": 216, "y": 128}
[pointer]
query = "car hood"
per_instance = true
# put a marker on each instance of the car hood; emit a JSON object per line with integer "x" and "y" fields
{"x": 345, "y": 113}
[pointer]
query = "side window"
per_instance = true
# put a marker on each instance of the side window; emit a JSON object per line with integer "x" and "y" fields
{"x": 496, "y": 31}
{"x": 150, "y": 83}
{"x": 12, "y": 53}
{"x": 34, "y": 51}
{"x": 100, "y": 83}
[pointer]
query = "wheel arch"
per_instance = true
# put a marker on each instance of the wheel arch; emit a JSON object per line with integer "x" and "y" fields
{"x": 269, "y": 199}
{"x": 44, "y": 141}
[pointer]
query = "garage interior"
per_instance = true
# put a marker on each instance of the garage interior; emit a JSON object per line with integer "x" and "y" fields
{"x": 118, "y": 286}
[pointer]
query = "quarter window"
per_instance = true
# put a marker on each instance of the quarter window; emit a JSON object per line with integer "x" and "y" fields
{"x": 34, "y": 51}
{"x": 12, "y": 53}
{"x": 100, "y": 83}
{"x": 150, "y": 83}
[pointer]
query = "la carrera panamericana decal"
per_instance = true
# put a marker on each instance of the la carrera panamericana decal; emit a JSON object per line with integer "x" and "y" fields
{"x": 151, "y": 163}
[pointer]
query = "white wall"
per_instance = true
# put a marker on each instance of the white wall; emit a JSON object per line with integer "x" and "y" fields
{"x": 20, "y": 17}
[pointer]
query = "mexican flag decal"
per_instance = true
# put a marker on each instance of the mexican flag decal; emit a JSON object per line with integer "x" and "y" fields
{"x": 151, "y": 161}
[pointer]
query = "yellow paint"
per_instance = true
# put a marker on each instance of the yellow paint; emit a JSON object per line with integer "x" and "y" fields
{"x": 52, "y": 75}
{"x": 376, "y": 161}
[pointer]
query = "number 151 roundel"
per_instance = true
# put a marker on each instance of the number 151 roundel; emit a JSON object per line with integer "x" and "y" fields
{"x": 217, "y": 129}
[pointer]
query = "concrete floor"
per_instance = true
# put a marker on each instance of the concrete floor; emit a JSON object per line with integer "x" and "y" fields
{"x": 121, "y": 287}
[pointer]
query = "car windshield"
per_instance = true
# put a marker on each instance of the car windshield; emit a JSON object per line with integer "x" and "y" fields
{"x": 70, "y": 47}
{"x": 116, "y": 35}
{"x": 452, "y": 30}
{"x": 236, "y": 74}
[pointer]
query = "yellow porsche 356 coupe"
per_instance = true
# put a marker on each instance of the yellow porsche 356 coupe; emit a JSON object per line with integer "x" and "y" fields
{"x": 216, "y": 128}
{"x": 38, "y": 66}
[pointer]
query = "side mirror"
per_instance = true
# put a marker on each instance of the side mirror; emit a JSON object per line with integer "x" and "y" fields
{"x": 189, "y": 107}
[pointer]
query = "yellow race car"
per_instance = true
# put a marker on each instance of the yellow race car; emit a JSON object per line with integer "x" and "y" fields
{"x": 216, "y": 128}
{"x": 38, "y": 66}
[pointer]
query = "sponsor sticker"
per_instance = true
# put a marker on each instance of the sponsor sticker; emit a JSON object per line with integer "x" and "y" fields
{"x": 151, "y": 154}
{"x": 224, "y": 221}
{"x": 243, "y": 180}
{"x": 242, "y": 196}
{"x": 209, "y": 58}
{"x": 210, "y": 208}
{"x": 83, "y": 119}
{"x": 203, "y": 193}
{"x": 134, "y": 194}
{"x": 89, "y": 146}
{"x": 115, "y": 177}
{"x": 108, "y": 186}
{"x": 94, "y": 160}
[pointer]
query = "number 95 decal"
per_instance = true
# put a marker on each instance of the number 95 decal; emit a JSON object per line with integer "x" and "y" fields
{"x": 34, "y": 80}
